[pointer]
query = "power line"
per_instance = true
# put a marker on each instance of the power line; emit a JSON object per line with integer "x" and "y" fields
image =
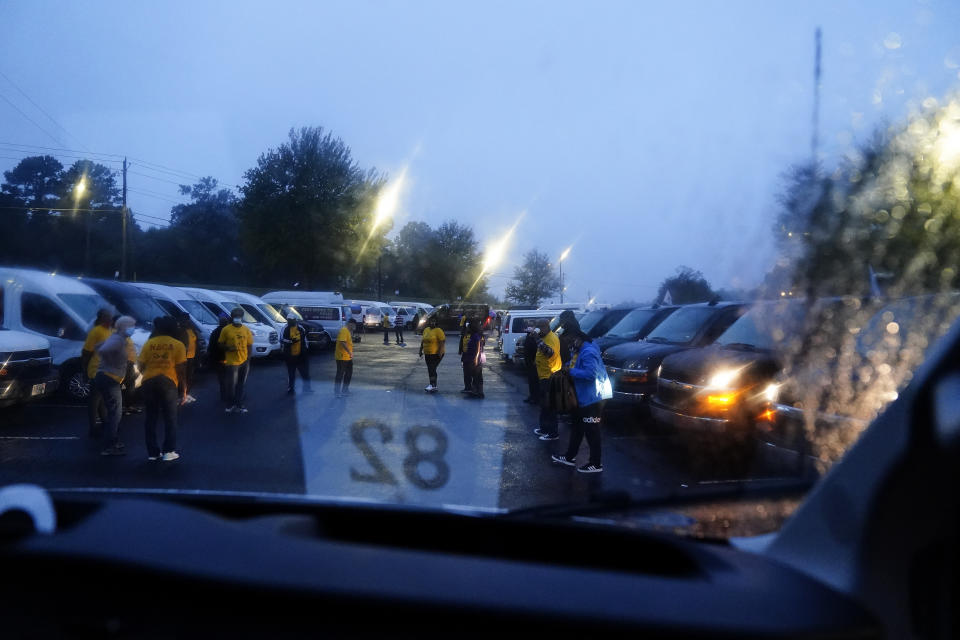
{"x": 144, "y": 175}
{"x": 153, "y": 195}
{"x": 29, "y": 119}
{"x": 36, "y": 146}
{"x": 39, "y": 108}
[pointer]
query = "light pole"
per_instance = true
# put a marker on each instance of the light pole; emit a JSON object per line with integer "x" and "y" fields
{"x": 563, "y": 256}
{"x": 387, "y": 201}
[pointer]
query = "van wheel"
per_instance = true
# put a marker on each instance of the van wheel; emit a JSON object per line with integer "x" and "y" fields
{"x": 74, "y": 383}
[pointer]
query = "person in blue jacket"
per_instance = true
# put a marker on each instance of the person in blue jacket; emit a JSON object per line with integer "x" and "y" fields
{"x": 593, "y": 387}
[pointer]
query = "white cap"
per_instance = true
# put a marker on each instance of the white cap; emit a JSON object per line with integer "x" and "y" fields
{"x": 124, "y": 322}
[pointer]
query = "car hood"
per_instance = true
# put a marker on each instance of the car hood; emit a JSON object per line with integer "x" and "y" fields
{"x": 21, "y": 341}
{"x": 696, "y": 366}
{"x": 646, "y": 352}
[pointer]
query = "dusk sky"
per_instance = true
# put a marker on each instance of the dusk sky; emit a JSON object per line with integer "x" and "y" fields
{"x": 647, "y": 135}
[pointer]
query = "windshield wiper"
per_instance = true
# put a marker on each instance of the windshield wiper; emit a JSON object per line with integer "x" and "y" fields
{"x": 620, "y": 500}
{"x": 740, "y": 345}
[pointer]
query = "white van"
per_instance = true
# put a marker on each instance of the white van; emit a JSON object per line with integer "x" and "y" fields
{"x": 266, "y": 340}
{"x": 26, "y": 371}
{"x": 412, "y": 310}
{"x": 515, "y": 324}
{"x": 259, "y": 309}
{"x": 61, "y": 309}
{"x": 319, "y": 297}
{"x": 577, "y": 307}
{"x": 174, "y": 300}
{"x": 323, "y": 315}
{"x": 372, "y": 312}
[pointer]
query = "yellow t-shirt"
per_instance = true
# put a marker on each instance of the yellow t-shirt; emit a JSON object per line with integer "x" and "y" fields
{"x": 386, "y": 322}
{"x": 431, "y": 340}
{"x": 191, "y": 343}
{"x": 547, "y": 365}
{"x": 295, "y": 336}
{"x": 241, "y": 338}
{"x": 160, "y": 356}
{"x": 95, "y": 338}
{"x": 343, "y": 353}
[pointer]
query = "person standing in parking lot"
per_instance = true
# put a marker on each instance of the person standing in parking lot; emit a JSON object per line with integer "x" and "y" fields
{"x": 592, "y": 387}
{"x": 294, "y": 345}
{"x": 344, "y": 356}
{"x": 216, "y": 356}
{"x": 398, "y": 322}
{"x": 113, "y": 355}
{"x": 236, "y": 340}
{"x": 547, "y": 362}
{"x": 385, "y": 325}
{"x": 190, "y": 337}
{"x": 530, "y": 364}
{"x": 163, "y": 361}
{"x": 462, "y": 342}
{"x": 433, "y": 346}
{"x": 473, "y": 359}
{"x": 89, "y": 360}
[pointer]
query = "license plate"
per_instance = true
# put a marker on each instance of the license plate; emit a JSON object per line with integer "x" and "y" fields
{"x": 38, "y": 389}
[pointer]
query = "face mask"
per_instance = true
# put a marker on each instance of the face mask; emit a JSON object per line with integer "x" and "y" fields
{"x": 129, "y": 331}
{"x": 236, "y": 322}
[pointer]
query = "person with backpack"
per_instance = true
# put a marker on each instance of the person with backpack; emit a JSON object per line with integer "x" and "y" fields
{"x": 294, "y": 346}
{"x": 592, "y": 388}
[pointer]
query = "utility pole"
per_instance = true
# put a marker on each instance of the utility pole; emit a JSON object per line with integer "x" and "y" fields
{"x": 561, "y": 282}
{"x": 814, "y": 138}
{"x": 123, "y": 223}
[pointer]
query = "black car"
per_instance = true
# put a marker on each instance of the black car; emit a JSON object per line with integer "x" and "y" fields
{"x": 26, "y": 370}
{"x": 448, "y": 315}
{"x": 632, "y": 366}
{"x": 633, "y": 326}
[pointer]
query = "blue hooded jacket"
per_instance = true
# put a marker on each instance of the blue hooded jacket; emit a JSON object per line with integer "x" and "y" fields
{"x": 590, "y": 377}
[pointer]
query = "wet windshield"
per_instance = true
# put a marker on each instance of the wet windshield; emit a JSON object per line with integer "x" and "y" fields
{"x": 533, "y": 157}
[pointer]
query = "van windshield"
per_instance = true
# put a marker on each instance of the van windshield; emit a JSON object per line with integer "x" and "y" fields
{"x": 271, "y": 312}
{"x": 255, "y": 313}
{"x": 199, "y": 312}
{"x": 632, "y": 323}
{"x": 84, "y": 304}
{"x": 682, "y": 326}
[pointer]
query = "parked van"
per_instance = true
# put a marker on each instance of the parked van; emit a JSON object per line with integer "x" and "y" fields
{"x": 413, "y": 311}
{"x": 515, "y": 325}
{"x": 580, "y": 307}
{"x": 26, "y": 368}
{"x": 266, "y": 340}
{"x": 372, "y": 312}
{"x": 322, "y": 315}
{"x": 59, "y": 308}
{"x": 174, "y": 300}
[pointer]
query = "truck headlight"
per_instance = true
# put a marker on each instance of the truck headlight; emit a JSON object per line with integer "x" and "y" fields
{"x": 723, "y": 379}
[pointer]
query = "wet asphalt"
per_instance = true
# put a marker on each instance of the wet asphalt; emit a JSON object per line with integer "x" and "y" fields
{"x": 389, "y": 441}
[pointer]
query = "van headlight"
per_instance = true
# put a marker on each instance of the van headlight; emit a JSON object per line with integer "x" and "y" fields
{"x": 772, "y": 392}
{"x": 723, "y": 379}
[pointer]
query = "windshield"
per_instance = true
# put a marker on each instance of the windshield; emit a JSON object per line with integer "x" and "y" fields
{"x": 765, "y": 326}
{"x": 681, "y": 160}
{"x": 632, "y": 323}
{"x": 83, "y": 304}
{"x": 272, "y": 312}
{"x": 199, "y": 312}
{"x": 682, "y": 326}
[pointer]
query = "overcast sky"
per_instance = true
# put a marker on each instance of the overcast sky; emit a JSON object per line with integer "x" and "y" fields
{"x": 648, "y": 135}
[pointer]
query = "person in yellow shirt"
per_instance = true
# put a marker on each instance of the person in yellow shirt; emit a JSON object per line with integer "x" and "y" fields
{"x": 547, "y": 361}
{"x": 293, "y": 341}
{"x": 344, "y": 356}
{"x": 113, "y": 357}
{"x": 433, "y": 346}
{"x": 236, "y": 339}
{"x": 385, "y": 325}
{"x": 190, "y": 337}
{"x": 101, "y": 330}
{"x": 163, "y": 362}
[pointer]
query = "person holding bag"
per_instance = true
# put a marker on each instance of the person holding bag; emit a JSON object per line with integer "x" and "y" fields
{"x": 592, "y": 388}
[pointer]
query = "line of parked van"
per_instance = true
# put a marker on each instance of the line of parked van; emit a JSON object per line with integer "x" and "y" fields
{"x": 45, "y": 317}
{"x": 729, "y": 372}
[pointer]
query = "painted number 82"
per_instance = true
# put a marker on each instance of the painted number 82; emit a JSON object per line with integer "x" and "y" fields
{"x": 426, "y": 447}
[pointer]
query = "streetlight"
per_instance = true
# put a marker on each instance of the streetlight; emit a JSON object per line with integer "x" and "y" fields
{"x": 563, "y": 256}
{"x": 387, "y": 201}
{"x": 78, "y": 190}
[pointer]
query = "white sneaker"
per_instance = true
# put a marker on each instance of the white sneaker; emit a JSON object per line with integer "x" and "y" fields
{"x": 189, "y": 398}
{"x": 170, "y": 456}
{"x": 230, "y": 410}
{"x": 429, "y": 387}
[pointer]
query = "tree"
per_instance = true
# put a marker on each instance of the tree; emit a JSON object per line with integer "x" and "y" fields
{"x": 893, "y": 209}
{"x": 534, "y": 280}
{"x": 306, "y": 212}
{"x": 34, "y": 181}
{"x": 685, "y": 287}
{"x": 201, "y": 243}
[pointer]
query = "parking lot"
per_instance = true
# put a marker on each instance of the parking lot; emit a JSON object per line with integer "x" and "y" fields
{"x": 388, "y": 441}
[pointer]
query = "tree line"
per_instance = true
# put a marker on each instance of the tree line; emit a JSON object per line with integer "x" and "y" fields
{"x": 304, "y": 216}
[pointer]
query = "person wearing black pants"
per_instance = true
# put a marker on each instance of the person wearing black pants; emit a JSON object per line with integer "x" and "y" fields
{"x": 294, "y": 345}
{"x": 592, "y": 387}
{"x": 343, "y": 354}
{"x": 163, "y": 362}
